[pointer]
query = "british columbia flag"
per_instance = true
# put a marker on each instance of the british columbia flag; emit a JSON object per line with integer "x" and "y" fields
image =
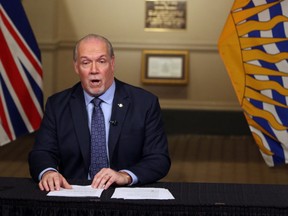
{"x": 254, "y": 48}
{"x": 21, "y": 98}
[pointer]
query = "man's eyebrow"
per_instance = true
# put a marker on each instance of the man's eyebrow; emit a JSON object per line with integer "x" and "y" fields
{"x": 99, "y": 57}
{"x": 84, "y": 57}
{"x": 102, "y": 56}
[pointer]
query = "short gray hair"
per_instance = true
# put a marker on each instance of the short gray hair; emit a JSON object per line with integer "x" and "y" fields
{"x": 95, "y": 36}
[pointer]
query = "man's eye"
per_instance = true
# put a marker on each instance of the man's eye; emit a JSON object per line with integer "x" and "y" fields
{"x": 102, "y": 61}
{"x": 85, "y": 62}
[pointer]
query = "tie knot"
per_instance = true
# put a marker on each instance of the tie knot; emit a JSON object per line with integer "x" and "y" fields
{"x": 96, "y": 101}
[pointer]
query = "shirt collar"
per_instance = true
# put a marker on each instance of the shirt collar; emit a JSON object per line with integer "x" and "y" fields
{"x": 107, "y": 97}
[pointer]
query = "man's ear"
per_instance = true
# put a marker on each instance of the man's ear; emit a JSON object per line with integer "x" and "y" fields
{"x": 113, "y": 62}
{"x": 75, "y": 67}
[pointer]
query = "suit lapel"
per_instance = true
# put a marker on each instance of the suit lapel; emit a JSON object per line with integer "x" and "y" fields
{"x": 120, "y": 107}
{"x": 80, "y": 121}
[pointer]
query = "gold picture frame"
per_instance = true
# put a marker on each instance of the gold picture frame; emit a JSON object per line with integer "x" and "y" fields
{"x": 165, "y": 67}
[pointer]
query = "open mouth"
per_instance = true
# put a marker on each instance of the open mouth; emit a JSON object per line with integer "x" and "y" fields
{"x": 95, "y": 82}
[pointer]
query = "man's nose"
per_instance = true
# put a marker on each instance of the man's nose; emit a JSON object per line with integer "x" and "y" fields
{"x": 94, "y": 67}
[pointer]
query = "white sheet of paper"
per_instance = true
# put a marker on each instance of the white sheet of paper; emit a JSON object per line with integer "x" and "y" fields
{"x": 77, "y": 191}
{"x": 142, "y": 193}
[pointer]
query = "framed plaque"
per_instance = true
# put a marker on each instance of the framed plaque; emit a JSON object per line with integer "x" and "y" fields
{"x": 165, "y": 15}
{"x": 165, "y": 67}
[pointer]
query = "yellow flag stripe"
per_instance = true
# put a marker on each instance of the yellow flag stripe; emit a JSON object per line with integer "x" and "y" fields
{"x": 257, "y": 70}
{"x": 265, "y": 84}
{"x": 260, "y": 144}
{"x": 250, "y": 93}
{"x": 249, "y": 26}
{"x": 245, "y": 14}
{"x": 254, "y": 111}
{"x": 255, "y": 125}
{"x": 251, "y": 42}
{"x": 255, "y": 54}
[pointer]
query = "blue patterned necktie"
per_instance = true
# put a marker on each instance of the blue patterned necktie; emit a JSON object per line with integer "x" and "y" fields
{"x": 99, "y": 158}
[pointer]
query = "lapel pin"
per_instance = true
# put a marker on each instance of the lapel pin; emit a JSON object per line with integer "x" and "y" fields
{"x": 120, "y": 105}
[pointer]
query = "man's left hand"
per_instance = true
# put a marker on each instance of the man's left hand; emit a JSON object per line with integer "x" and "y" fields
{"x": 106, "y": 177}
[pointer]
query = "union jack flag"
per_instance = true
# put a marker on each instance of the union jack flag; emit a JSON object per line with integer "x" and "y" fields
{"x": 254, "y": 48}
{"x": 21, "y": 98}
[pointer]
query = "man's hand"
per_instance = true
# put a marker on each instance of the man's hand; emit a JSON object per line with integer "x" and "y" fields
{"x": 106, "y": 177}
{"x": 52, "y": 180}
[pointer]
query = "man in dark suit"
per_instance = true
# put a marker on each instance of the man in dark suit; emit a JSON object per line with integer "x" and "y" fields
{"x": 136, "y": 143}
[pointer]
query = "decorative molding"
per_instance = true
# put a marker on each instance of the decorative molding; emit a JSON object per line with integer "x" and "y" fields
{"x": 199, "y": 105}
{"x": 199, "y": 46}
{"x": 48, "y": 45}
{"x": 176, "y": 46}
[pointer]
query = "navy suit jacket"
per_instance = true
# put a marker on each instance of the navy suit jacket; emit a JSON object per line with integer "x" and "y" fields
{"x": 137, "y": 142}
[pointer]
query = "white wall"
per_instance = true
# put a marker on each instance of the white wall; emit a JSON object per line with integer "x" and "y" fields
{"x": 57, "y": 24}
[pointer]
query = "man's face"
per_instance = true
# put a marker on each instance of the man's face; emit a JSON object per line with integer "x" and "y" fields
{"x": 94, "y": 66}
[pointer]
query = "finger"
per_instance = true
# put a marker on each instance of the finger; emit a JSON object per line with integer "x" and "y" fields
{"x": 41, "y": 186}
{"x": 95, "y": 182}
{"x": 99, "y": 182}
{"x": 45, "y": 185}
{"x": 51, "y": 184}
{"x": 97, "y": 178}
{"x": 56, "y": 183}
{"x": 100, "y": 179}
{"x": 66, "y": 185}
{"x": 109, "y": 182}
{"x": 104, "y": 181}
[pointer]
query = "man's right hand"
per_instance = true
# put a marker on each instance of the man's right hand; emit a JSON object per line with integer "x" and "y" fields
{"x": 52, "y": 180}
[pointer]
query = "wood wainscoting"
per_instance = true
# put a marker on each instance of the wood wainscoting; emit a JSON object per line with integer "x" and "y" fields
{"x": 195, "y": 158}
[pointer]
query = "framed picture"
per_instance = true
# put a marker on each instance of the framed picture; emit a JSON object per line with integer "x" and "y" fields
{"x": 165, "y": 67}
{"x": 165, "y": 15}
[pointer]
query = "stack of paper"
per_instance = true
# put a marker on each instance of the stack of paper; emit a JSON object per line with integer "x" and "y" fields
{"x": 119, "y": 193}
{"x": 77, "y": 191}
{"x": 142, "y": 193}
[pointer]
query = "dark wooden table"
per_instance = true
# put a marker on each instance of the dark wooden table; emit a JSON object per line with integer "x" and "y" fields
{"x": 21, "y": 196}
